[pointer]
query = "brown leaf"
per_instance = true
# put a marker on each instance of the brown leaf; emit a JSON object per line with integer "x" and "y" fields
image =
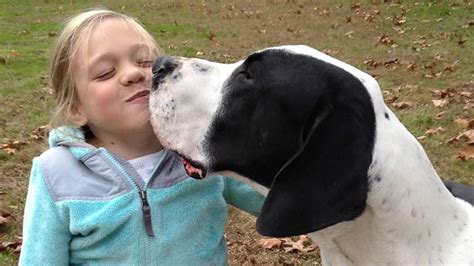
{"x": 372, "y": 63}
{"x": 13, "y": 53}
{"x": 411, "y": 66}
{"x": 303, "y": 244}
{"x": 10, "y": 151}
{"x": 447, "y": 93}
{"x": 355, "y": 7}
{"x": 212, "y": 36}
{"x": 13, "y": 144}
{"x": 402, "y": 105}
{"x": 440, "y": 103}
{"x": 3, "y": 221}
{"x": 349, "y": 34}
{"x": 433, "y": 131}
{"x": 269, "y": 243}
{"x": 15, "y": 246}
{"x": 440, "y": 115}
{"x": 452, "y": 140}
{"x": 331, "y": 52}
{"x": 466, "y": 94}
{"x": 325, "y": 12}
{"x": 461, "y": 42}
{"x": 467, "y": 136}
{"x": 385, "y": 39}
{"x": 400, "y": 20}
{"x": 465, "y": 122}
{"x": 40, "y": 132}
{"x": 466, "y": 153}
{"x": 468, "y": 106}
{"x": 391, "y": 99}
{"x": 449, "y": 67}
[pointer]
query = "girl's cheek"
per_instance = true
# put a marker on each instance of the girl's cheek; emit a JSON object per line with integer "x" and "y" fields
{"x": 105, "y": 99}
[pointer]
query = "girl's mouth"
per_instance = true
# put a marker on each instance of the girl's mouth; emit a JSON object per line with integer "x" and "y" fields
{"x": 139, "y": 97}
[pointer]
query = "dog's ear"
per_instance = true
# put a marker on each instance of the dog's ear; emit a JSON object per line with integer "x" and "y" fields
{"x": 326, "y": 183}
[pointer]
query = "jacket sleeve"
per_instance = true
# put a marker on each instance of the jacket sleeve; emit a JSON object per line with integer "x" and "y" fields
{"x": 243, "y": 196}
{"x": 45, "y": 236}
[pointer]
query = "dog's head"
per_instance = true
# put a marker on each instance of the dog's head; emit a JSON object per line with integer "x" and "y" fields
{"x": 290, "y": 118}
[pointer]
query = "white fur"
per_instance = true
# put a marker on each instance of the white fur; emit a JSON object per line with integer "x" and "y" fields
{"x": 195, "y": 102}
{"x": 410, "y": 217}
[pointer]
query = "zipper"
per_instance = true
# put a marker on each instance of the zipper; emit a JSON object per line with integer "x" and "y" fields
{"x": 146, "y": 213}
{"x": 146, "y": 210}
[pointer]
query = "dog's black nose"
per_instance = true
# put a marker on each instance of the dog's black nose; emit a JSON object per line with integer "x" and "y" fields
{"x": 162, "y": 66}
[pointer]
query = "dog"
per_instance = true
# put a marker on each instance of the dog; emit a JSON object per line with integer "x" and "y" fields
{"x": 313, "y": 135}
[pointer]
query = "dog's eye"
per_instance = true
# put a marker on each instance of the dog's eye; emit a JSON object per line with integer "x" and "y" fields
{"x": 245, "y": 74}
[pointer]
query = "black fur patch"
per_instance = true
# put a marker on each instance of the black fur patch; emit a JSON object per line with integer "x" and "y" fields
{"x": 270, "y": 103}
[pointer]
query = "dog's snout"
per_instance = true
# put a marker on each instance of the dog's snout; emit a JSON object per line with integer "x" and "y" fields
{"x": 162, "y": 66}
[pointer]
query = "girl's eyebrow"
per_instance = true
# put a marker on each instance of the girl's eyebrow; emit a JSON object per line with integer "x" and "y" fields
{"x": 100, "y": 58}
{"x": 109, "y": 55}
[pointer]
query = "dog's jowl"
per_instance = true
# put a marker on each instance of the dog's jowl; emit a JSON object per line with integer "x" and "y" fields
{"x": 314, "y": 135}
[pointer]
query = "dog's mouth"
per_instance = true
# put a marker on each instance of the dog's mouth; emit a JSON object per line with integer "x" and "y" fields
{"x": 194, "y": 169}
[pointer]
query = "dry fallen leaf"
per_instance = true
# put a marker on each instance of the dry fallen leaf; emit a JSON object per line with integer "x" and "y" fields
{"x": 14, "y": 246}
{"x": 440, "y": 115}
{"x": 465, "y": 122}
{"x": 349, "y": 34}
{"x": 466, "y": 153}
{"x": 40, "y": 132}
{"x": 402, "y": 105}
{"x": 10, "y": 151}
{"x": 468, "y": 106}
{"x": 301, "y": 245}
{"x": 461, "y": 42}
{"x": 440, "y": 103}
{"x": 13, "y": 53}
{"x": 385, "y": 39}
{"x": 269, "y": 243}
{"x": 411, "y": 66}
{"x": 212, "y": 36}
{"x": 433, "y": 131}
{"x": 3, "y": 220}
{"x": 467, "y": 136}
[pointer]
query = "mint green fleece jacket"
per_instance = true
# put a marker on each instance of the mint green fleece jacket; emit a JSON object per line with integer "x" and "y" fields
{"x": 88, "y": 206}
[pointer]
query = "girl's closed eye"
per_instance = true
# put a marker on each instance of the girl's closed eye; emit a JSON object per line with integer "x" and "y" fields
{"x": 106, "y": 74}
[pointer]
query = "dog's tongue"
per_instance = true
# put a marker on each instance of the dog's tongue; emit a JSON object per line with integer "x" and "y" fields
{"x": 192, "y": 171}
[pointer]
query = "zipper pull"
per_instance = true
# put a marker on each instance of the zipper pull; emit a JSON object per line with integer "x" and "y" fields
{"x": 146, "y": 213}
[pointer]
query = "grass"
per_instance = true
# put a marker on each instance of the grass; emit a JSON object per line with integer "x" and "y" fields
{"x": 435, "y": 36}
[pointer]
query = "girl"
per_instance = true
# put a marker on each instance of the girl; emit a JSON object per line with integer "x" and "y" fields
{"x": 105, "y": 192}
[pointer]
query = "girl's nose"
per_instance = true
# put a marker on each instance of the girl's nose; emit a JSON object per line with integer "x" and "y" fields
{"x": 133, "y": 74}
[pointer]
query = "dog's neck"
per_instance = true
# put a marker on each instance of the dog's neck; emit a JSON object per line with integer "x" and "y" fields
{"x": 410, "y": 215}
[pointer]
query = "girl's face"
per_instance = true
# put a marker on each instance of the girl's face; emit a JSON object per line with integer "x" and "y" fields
{"x": 112, "y": 74}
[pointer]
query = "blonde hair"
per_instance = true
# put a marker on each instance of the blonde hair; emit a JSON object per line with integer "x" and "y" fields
{"x": 75, "y": 33}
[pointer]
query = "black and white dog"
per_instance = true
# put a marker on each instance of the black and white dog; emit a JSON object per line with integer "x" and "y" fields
{"x": 314, "y": 135}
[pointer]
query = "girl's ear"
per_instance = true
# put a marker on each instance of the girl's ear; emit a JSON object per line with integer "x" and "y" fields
{"x": 76, "y": 115}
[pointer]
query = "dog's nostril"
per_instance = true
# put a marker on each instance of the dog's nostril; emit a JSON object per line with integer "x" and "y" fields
{"x": 163, "y": 65}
